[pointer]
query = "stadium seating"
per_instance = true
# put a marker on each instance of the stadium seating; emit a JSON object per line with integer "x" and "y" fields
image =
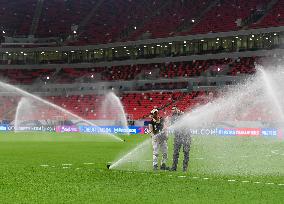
{"x": 7, "y": 107}
{"x": 166, "y": 23}
{"x": 244, "y": 65}
{"x": 131, "y": 72}
{"x": 16, "y": 17}
{"x": 61, "y": 17}
{"x": 223, "y": 17}
{"x": 128, "y": 20}
{"x": 22, "y": 76}
{"x": 113, "y": 17}
{"x": 190, "y": 69}
{"x": 136, "y": 105}
{"x": 70, "y": 75}
{"x": 120, "y": 73}
{"x": 274, "y": 18}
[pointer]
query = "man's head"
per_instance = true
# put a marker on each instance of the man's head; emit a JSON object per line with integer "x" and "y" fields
{"x": 175, "y": 110}
{"x": 154, "y": 113}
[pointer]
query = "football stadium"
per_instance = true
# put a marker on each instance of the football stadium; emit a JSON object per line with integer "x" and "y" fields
{"x": 139, "y": 101}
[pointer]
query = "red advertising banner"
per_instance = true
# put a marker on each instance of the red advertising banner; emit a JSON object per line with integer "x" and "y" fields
{"x": 253, "y": 132}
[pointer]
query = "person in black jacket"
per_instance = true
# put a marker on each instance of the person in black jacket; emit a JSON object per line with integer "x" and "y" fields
{"x": 182, "y": 138}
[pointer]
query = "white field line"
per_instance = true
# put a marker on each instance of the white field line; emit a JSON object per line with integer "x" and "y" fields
{"x": 67, "y": 166}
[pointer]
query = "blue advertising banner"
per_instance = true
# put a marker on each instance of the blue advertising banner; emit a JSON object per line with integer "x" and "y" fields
{"x": 112, "y": 129}
{"x": 3, "y": 128}
{"x": 226, "y": 131}
{"x": 28, "y": 128}
{"x": 269, "y": 132}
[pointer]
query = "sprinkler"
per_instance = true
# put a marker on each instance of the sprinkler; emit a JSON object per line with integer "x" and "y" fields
{"x": 108, "y": 165}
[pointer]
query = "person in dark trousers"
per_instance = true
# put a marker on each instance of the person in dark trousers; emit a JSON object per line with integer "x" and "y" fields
{"x": 182, "y": 138}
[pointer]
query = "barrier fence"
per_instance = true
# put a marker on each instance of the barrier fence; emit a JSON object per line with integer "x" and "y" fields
{"x": 241, "y": 132}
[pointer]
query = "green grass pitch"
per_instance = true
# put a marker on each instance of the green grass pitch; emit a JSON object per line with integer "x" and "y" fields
{"x": 71, "y": 168}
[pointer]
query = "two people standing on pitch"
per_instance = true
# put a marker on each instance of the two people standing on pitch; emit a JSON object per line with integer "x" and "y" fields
{"x": 159, "y": 140}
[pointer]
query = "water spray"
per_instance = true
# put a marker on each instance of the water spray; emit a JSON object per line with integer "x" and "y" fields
{"x": 37, "y": 98}
{"x": 231, "y": 109}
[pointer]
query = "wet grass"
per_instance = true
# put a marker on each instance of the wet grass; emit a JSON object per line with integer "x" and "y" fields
{"x": 62, "y": 168}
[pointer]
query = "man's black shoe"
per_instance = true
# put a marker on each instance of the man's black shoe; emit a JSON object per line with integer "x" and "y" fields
{"x": 164, "y": 167}
{"x": 155, "y": 167}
